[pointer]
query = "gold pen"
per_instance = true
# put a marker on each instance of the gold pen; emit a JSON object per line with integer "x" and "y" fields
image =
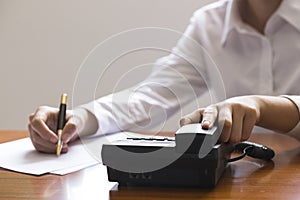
{"x": 61, "y": 122}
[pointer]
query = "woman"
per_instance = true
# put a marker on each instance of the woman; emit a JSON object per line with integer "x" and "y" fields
{"x": 253, "y": 44}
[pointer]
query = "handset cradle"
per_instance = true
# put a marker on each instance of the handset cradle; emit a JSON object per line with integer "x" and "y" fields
{"x": 197, "y": 160}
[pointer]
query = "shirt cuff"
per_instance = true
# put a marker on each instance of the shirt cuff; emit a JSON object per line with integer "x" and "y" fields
{"x": 295, "y": 132}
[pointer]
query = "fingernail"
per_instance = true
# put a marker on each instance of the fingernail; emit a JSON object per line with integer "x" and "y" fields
{"x": 206, "y": 123}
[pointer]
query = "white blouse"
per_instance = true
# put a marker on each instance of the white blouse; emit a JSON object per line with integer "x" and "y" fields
{"x": 217, "y": 53}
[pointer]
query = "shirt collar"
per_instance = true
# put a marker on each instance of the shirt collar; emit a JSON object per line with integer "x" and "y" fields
{"x": 288, "y": 10}
{"x": 232, "y": 19}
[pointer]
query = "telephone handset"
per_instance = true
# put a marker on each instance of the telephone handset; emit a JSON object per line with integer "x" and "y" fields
{"x": 193, "y": 159}
{"x": 203, "y": 141}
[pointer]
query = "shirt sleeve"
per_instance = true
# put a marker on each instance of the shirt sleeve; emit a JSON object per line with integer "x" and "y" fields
{"x": 295, "y": 132}
{"x": 175, "y": 81}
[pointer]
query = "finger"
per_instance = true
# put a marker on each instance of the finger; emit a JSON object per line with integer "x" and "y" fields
{"x": 39, "y": 126}
{"x": 40, "y": 144}
{"x": 225, "y": 123}
{"x": 31, "y": 117}
{"x": 237, "y": 125}
{"x": 194, "y": 117}
{"x": 65, "y": 148}
{"x": 248, "y": 124}
{"x": 209, "y": 116}
{"x": 70, "y": 131}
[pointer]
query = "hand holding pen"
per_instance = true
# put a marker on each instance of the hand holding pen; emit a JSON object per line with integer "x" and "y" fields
{"x": 44, "y": 124}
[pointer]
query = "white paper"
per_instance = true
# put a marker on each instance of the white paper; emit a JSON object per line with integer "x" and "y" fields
{"x": 71, "y": 169}
{"x": 20, "y": 155}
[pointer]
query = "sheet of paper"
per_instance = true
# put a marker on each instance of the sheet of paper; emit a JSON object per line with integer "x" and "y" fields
{"x": 71, "y": 169}
{"x": 20, "y": 155}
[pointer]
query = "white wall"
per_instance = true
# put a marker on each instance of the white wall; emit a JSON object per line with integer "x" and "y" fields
{"x": 43, "y": 43}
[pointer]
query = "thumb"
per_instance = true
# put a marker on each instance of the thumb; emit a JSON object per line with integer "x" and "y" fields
{"x": 191, "y": 118}
{"x": 71, "y": 129}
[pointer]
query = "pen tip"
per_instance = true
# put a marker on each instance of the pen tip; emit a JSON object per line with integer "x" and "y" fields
{"x": 58, "y": 150}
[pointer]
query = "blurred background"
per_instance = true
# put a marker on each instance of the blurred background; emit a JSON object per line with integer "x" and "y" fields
{"x": 44, "y": 42}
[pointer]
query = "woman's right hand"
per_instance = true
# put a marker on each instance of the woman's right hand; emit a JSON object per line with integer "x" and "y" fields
{"x": 43, "y": 124}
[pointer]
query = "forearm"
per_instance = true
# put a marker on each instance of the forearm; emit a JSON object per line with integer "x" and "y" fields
{"x": 277, "y": 113}
{"x": 136, "y": 110}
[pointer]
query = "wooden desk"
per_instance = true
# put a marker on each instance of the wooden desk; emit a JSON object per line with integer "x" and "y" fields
{"x": 245, "y": 179}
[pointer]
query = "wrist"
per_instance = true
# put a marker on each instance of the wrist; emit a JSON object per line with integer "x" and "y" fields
{"x": 88, "y": 122}
{"x": 260, "y": 106}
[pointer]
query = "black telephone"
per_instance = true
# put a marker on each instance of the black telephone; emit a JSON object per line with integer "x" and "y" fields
{"x": 193, "y": 159}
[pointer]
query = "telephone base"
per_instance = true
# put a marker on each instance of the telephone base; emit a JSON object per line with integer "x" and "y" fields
{"x": 187, "y": 171}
